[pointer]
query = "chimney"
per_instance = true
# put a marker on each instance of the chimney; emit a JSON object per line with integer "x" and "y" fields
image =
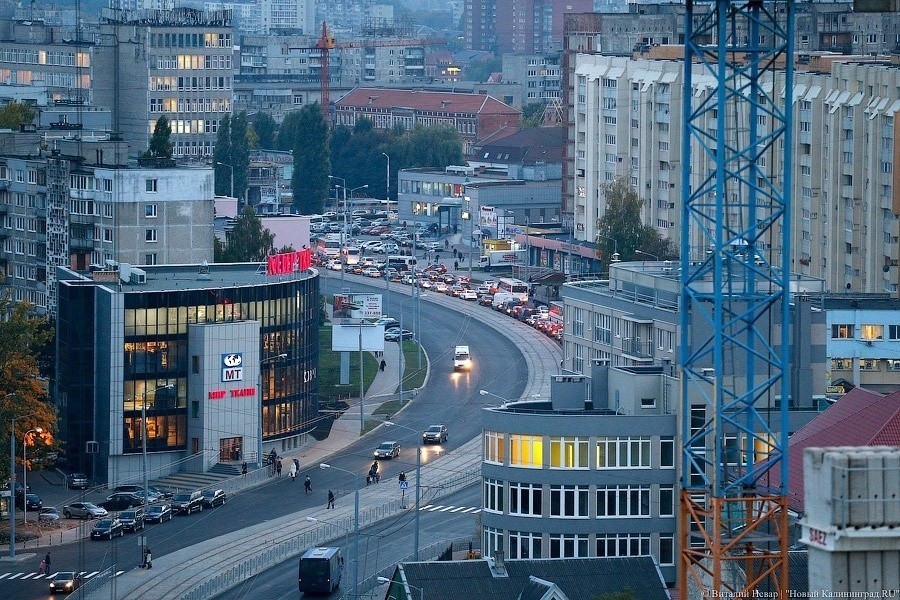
{"x": 498, "y": 568}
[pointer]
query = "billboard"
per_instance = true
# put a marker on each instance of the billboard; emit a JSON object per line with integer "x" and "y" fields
{"x": 347, "y": 335}
{"x": 356, "y": 306}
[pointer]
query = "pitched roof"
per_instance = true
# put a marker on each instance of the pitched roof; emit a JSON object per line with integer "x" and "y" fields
{"x": 452, "y": 102}
{"x": 577, "y": 578}
{"x": 858, "y": 418}
{"x": 526, "y": 146}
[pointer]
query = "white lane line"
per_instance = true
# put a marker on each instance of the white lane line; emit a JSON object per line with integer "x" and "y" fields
{"x": 458, "y": 508}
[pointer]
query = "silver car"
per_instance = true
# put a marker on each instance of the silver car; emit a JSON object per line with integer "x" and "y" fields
{"x": 83, "y": 510}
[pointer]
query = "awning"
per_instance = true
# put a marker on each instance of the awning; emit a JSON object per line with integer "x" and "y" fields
{"x": 813, "y": 93}
{"x": 799, "y": 90}
{"x": 856, "y": 99}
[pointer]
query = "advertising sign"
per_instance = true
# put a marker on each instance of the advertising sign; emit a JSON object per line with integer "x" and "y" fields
{"x": 347, "y": 337}
{"x": 357, "y": 306}
{"x": 487, "y": 218}
{"x": 233, "y": 367}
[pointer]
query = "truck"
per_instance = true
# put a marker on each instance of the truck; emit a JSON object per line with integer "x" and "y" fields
{"x": 498, "y": 259}
{"x": 461, "y": 359}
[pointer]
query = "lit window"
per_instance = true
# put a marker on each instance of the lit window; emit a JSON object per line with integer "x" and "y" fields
{"x": 872, "y": 332}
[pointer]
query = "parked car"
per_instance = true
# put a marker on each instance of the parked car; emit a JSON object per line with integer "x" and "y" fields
{"x": 394, "y": 334}
{"x": 107, "y": 528}
{"x": 29, "y": 502}
{"x": 77, "y": 481}
{"x": 163, "y": 493}
{"x": 187, "y": 502}
{"x": 48, "y": 514}
{"x": 435, "y": 434}
{"x": 388, "y": 450}
{"x": 83, "y": 510}
{"x": 388, "y": 322}
{"x": 138, "y": 490}
{"x": 122, "y": 501}
{"x": 66, "y": 581}
{"x": 158, "y": 513}
{"x": 213, "y": 498}
{"x": 132, "y": 520}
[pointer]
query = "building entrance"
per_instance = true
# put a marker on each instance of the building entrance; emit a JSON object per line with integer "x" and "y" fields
{"x": 231, "y": 449}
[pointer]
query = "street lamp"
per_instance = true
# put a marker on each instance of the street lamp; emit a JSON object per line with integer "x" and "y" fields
{"x": 232, "y": 175}
{"x": 653, "y": 256}
{"x": 487, "y": 393}
{"x": 471, "y": 233}
{"x": 418, "y": 480}
{"x": 615, "y": 254}
{"x": 259, "y": 432}
{"x": 346, "y": 529}
{"x": 344, "y": 188}
{"x": 387, "y": 179}
{"x": 12, "y": 481}
{"x": 355, "y": 526}
{"x": 418, "y": 589}
{"x": 25, "y": 473}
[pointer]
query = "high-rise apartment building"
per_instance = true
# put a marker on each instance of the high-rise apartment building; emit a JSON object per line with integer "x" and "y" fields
{"x": 518, "y": 26}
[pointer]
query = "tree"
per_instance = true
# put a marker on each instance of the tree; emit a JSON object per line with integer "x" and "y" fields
{"x": 625, "y": 594}
{"x": 532, "y": 115}
{"x": 621, "y": 230}
{"x": 23, "y": 396}
{"x": 479, "y": 70}
{"x": 248, "y": 241}
{"x": 266, "y": 128}
{"x": 239, "y": 153}
{"x": 222, "y": 158}
{"x": 312, "y": 161}
{"x": 14, "y": 114}
{"x": 288, "y": 132}
{"x": 434, "y": 147}
{"x": 161, "y": 140}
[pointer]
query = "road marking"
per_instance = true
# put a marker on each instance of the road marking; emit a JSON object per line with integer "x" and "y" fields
{"x": 451, "y": 509}
{"x": 37, "y": 576}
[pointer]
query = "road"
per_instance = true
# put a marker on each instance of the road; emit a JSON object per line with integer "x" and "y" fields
{"x": 451, "y": 398}
{"x": 381, "y": 546}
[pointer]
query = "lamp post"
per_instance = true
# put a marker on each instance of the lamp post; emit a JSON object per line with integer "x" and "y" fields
{"x": 653, "y": 256}
{"x": 418, "y": 589}
{"x": 25, "y": 472}
{"x": 615, "y": 255}
{"x": 471, "y": 234}
{"x": 232, "y": 175}
{"x": 12, "y": 481}
{"x": 346, "y": 529}
{"x": 259, "y": 391}
{"x": 418, "y": 481}
{"x": 355, "y": 526}
{"x": 387, "y": 179}
{"x": 344, "y": 189}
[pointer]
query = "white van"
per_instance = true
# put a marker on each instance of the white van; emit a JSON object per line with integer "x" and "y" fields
{"x": 461, "y": 359}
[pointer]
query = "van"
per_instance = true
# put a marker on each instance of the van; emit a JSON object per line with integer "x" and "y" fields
{"x": 401, "y": 263}
{"x": 461, "y": 359}
{"x": 320, "y": 570}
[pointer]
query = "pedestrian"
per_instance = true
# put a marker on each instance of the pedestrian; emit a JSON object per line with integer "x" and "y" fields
{"x": 144, "y": 559}
{"x": 47, "y": 563}
{"x": 446, "y": 244}
{"x": 383, "y": 364}
{"x": 293, "y": 472}
{"x": 244, "y": 469}
{"x": 42, "y": 568}
{"x": 278, "y": 467}
{"x": 297, "y": 464}
{"x": 330, "y": 499}
{"x": 149, "y": 559}
{"x": 456, "y": 265}
{"x": 308, "y": 484}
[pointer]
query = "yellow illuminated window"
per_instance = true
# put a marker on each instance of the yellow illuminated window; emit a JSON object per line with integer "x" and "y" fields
{"x": 568, "y": 453}
{"x": 872, "y": 332}
{"x": 526, "y": 451}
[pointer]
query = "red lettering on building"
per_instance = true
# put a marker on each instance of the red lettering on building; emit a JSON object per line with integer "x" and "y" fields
{"x": 242, "y": 392}
{"x": 216, "y": 394}
{"x": 818, "y": 537}
{"x": 289, "y": 262}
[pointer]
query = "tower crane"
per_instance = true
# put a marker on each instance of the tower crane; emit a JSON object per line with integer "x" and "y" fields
{"x": 734, "y": 308}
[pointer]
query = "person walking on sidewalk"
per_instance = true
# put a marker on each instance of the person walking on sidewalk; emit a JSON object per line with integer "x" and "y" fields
{"x": 330, "y": 499}
{"x": 293, "y": 472}
{"x": 47, "y": 564}
{"x": 244, "y": 469}
{"x": 278, "y": 467}
{"x": 149, "y": 559}
{"x": 297, "y": 465}
{"x": 308, "y": 484}
{"x": 383, "y": 364}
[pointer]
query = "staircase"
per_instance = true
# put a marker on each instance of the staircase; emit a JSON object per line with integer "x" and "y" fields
{"x": 226, "y": 469}
{"x": 191, "y": 481}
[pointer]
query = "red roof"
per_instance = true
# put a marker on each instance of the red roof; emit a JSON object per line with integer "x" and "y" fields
{"x": 859, "y": 418}
{"x": 444, "y": 102}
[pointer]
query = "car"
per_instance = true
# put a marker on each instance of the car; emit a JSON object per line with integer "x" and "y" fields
{"x": 213, "y": 498}
{"x": 388, "y": 450}
{"x": 436, "y": 434}
{"x": 121, "y": 501}
{"x": 334, "y": 265}
{"x": 187, "y": 502}
{"x": 388, "y": 322}
{"x": 391, "y": 248}
{"x": 486, "y": 300}
{"x": 29, "y": 502}
{"x": 468, "y": 295}
{"x": 455, "y": 290}
{"x": 48, "y": 514}
{"x": 138, "y": 490}
{"x": 371, "y": 272}
{"x": 158, "y": 513}
{"x": 395, "y": 334}
{"x": 83, "y": 510}
{"x": 434, "y": 246}
{"x": 132, "y": 520}
{"x": 107, "y": 528}
{"x": 441, "y": 287}
{"x": 77, "y": 481}
{"x": 66, "y": 581}
{"x": 162, "y": 493}
{"x": 377, "y": 248}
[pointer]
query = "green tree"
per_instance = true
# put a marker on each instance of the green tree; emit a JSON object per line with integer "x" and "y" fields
{"x": 266, "y": 128}
{"x": 479, "y": 70}
{"x": 23, "y": 396}
{"x": 434, "y": 147}
{"x": 239, "y": 153}
{"x": 625, "y": 594}
{"x": 161, "y": 140}
{"x": 289, "y": 131}
{"x": 532, "y": 115}
{"x": 222, "y": 158}
{"x": 312, "y": 162}
{"x": 621, "y": 230}
{"x": 248, "y": 241}
{"x": 14, "y": 114}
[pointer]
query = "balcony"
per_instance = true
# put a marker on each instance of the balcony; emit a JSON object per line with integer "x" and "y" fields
{"x": 80, "y": 244}
{"x": 637, "y": 349}
{"x": 77, "y": 219}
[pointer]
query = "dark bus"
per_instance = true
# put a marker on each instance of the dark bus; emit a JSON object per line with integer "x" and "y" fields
{"x": 320, "y": 570}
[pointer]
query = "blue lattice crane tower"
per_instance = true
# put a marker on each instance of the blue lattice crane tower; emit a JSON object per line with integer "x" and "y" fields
{"x": 735, "y": 297}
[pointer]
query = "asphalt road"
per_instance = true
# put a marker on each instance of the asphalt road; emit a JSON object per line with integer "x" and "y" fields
{"x": 381, "y": 546}
{"x": 451, "y": 398}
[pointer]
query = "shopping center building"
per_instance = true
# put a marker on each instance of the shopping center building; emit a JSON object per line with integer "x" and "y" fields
{"x": 213, "y": 354}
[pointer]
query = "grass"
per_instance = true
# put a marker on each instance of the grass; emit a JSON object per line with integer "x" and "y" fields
{"x": 331, "y": 392}
{"x": 413, "y": 376}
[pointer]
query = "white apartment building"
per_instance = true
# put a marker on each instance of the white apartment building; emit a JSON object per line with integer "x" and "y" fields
{"x": 288, "y": 14}
{"x": 627, "y": 118}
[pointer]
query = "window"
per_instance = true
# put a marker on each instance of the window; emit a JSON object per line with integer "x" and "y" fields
{"x": 667, "y": 452}
{"x": 871, "y": 332}
{"x": 524, "y": 544}
{"x": 841, "y": 364}
{"x": 525, "y": 499}
{"x": 491, "y": 541}
{"x": 623, "y": 501}
{"x": 623, "y": 544}
{"x": 666, "y": 501}
{"x": 526, "y": 451}
{"x": 150, "y": 235}
{"x": 623, "y": 453}
{"x": 494, "y": 447}
{"x": 568, "y": 453}
{"x": 151, "y": 185}
{"x": 150, "y": 259}
{"x": 568, "y": 545}
{"x": 493, "y": 495}
{"x": 569, "y": 501}
{"x": 666, "y": 550}
{"x": 150, "y": 211}
{"x": 842, "y": 331}
{"x": 894, "y": 332}
{"x": 648, "y": 402}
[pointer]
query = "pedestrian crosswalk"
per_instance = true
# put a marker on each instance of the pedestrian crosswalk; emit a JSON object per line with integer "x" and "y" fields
{"x": 462, "y": 510}
{"x": 37, "y": 576}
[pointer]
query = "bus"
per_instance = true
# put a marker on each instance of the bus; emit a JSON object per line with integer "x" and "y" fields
{"x": 320, "y": 570}
{"x": 515, "y": 287}
{"x": 401, "y": 263}
{"x": 351, "y": 255}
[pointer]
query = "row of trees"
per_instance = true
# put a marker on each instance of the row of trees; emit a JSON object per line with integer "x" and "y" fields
{"x": 231, "y": 157}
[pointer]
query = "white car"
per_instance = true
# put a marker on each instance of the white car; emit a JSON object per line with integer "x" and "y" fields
{"x": 334, "y": 265}
{"x": 377, "y": 248}
{"x": 371, "y": 272}
{"x": 468, "y": 295}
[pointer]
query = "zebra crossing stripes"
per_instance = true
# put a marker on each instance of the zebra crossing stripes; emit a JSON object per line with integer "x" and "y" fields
{"x": 462, "y": 510}
{"x": 20, "y": 576}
